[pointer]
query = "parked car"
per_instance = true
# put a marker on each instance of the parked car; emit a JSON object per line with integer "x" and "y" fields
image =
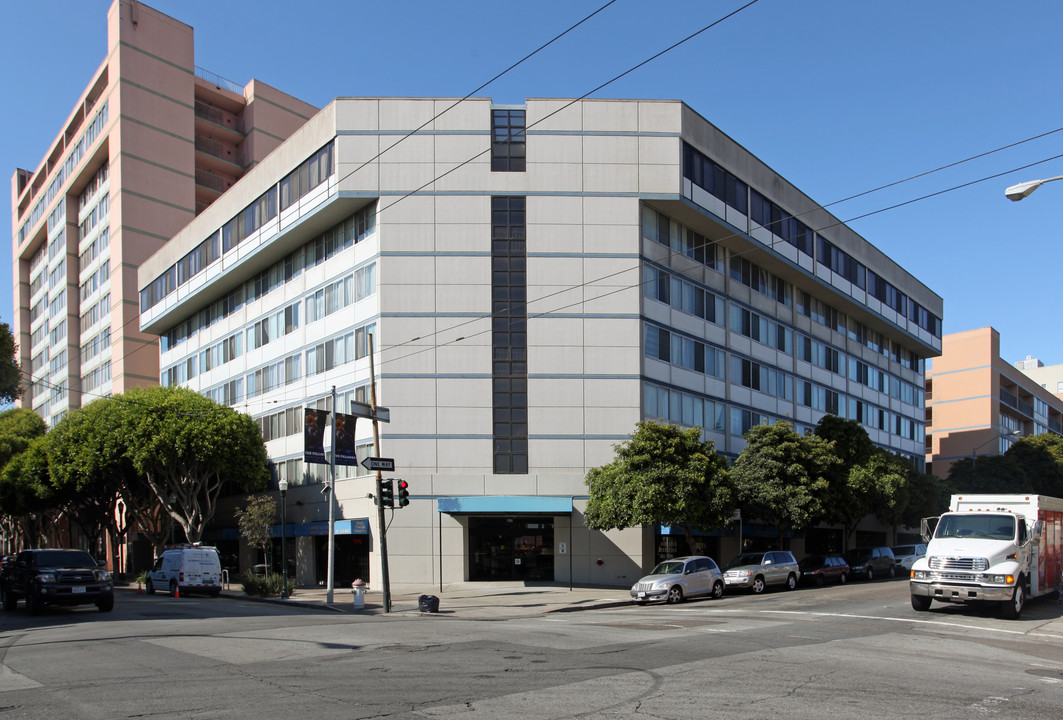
{"x": 905, "y": 555}
{"x": 821, "y": 569}
{"x": 757, "y": 570}
{"x": 186, "y": 569}
{"x": 55, "y": 576}
{"x": 679, "y": 578}
{"x": 871, "y": 562}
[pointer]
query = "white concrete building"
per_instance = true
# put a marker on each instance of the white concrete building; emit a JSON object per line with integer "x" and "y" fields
{"x": 536, "y": 280}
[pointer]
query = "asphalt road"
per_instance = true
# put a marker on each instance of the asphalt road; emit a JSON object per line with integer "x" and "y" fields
{"x": 857, "y": 651}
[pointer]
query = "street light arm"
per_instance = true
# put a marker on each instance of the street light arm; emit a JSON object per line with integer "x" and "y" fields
{"x": 1024, "y": 189}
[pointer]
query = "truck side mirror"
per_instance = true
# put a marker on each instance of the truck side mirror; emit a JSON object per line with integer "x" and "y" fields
{"x": 1038, "y": 527}
{"x": 927, "y": 526}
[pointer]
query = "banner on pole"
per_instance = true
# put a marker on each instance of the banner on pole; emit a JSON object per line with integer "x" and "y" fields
{"x": 314, "y": 436}
{"x": 345, "y": 454}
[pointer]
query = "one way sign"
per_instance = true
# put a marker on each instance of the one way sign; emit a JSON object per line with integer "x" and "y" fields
{"x": 379, "y": 464}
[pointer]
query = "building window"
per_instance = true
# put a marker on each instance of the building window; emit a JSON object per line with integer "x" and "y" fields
{"x": 509, "y": 334}
{"x": 507, "y": 141}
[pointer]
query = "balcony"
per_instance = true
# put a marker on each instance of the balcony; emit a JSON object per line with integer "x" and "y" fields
{"x": 219, "y": 157}
{"x": 218, "y": 123}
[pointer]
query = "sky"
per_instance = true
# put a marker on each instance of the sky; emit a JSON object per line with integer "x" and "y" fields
{"x": 839, "y": 97}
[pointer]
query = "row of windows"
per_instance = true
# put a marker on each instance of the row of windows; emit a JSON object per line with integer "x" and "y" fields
{"x": 58, "y": 362}
{"x": 96, "y": 280}
{"x": 661, "y": 229}
{"x": 681, "y": 294}
{"x": 99, "y": 179}
{"x": 706, "y": 174}
{"x": 97, "y": 344}
{"x": 273, "y": 327}
{"x": 58, "y": 333}
{"x": 661, "y": 344}
{"x": 508, "y": 142}
{"x": 341, "y": 294}
{"x": 39, "y": 335}
{"x": 341, "y": 236}
{"x": 278, "y": 374}
{"x": 96, "y": 377}
{"x": 100, "y": 309}
{"x": 59, "y": 392}
{"x": 768, "y": 284}
{"x": 96, "y": 215}
{"x": 38, "y": 361}
{"x": 38, "y": 309}
{"x": 72, "y": 160}
{"x": 303, "y": 179}
{"x": 100, "y": 243}
{"x": 509, "y": 337}
{"x": 58, "y": 303}
{"x": 37, "y": 284}
{"x": 57, "y": 245}
{"x": 57, "y": 276}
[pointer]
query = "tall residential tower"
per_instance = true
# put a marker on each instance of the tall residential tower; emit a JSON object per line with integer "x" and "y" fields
{"x": 150, "y": 143}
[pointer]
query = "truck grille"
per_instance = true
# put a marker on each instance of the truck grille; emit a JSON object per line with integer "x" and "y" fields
{"x": 75, "y": 577}
{"x": 959, "y": 563}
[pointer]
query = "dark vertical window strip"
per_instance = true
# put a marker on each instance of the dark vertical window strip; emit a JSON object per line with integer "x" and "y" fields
{"x": 509, "y": 334}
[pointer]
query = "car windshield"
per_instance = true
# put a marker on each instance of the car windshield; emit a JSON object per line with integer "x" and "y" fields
{"x": 64, "y": 559}
{"x": 904, "y": 550}
{"x": 746, "y": 559}
{"x": 669, "y": 567}
{"x": 857, "y": 555}
{"x": 987, "y": 527}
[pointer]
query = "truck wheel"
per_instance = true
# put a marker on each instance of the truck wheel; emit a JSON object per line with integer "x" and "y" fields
{"x": 920, "y": 603}
{"x": 10, "y": 601}
{"x": 149, "y": 587}
{"x": 105, "y": 603}
{"x": 1012, "y": 609}
{"x": 173, "y": 588}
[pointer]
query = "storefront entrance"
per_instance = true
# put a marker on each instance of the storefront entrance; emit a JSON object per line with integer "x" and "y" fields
{"x": 511, "y": 548}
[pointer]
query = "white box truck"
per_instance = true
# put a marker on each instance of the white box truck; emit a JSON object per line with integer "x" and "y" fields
{"x": 1000, "y": 549}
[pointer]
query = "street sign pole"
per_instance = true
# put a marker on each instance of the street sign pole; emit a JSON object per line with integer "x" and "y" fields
{"x": 332, "y": 507}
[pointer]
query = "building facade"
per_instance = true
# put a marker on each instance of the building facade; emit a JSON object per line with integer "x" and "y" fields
{"x": 532, "y": 282}
{"x": 150, "y": 143}
{"x": 979, "y": 404}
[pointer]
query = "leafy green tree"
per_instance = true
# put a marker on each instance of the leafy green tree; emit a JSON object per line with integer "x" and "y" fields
{"x": 27, "y": 498}
{"x": 1041, "y": 459}
{"x": 850, "y": 493}
{"x": 255, "y": 520}
{"x": 10, "y": 370}
{"x": 663, "y": 475}
{"x": 884, "y": 479}
{"x": 187, "y": 447}
{"x": 928, "y": 496}
{"x": 988, "y": 474}
{"x": 18, "y": 428}
{"x": 781, "y": 477}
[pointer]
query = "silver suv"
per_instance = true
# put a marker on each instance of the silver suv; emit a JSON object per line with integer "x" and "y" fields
{"x": 679, "y": 578}
{"x": 757, "y": 570}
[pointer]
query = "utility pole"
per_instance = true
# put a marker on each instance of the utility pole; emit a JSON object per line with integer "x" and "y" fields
{"x": 332, "y": 506}
{"x": 381, "y": 525}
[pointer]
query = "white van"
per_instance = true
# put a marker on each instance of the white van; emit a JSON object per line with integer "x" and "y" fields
{"x": 186, "y": 569}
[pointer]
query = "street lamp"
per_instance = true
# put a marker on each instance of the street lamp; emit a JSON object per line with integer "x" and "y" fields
{"x": 284, "y": 538}
{"x": 1024, "y": 189}
{"x": 998, "y": 438}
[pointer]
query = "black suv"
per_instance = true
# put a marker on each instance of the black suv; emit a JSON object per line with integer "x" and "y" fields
{"x": 870, "y": 562}
{"x": 55, "y": 577}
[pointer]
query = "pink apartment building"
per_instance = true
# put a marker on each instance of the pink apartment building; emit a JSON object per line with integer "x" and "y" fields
{"x": 150, "y": 143}
{"x": 979, "y": 404}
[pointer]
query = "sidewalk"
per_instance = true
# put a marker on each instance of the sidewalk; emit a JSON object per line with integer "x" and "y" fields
{"x": 466, "y": 600}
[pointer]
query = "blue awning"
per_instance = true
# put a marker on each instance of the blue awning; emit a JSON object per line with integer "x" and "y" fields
{"x": 505, "y": 505}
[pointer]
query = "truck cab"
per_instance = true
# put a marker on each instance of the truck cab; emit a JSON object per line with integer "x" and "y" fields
{"x": 978, "y": 554}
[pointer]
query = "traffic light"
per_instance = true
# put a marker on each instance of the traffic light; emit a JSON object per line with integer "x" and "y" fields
{"x": 404, "y": 494}
{"x": 387, "y": 493}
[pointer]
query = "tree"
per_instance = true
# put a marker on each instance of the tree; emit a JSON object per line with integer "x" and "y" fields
{"x": 662, "y": 475}
{"x": 781, "y": 476}
{"x": 849, "y": 497}
{"x": 884, "y": 479}
{"x": 187, "y": 447}
{"x": 255, "y": 520}
{"x": 18, "y": 428}
{"x": 27, "y": 498}
{"x": 1040, "y": 458}
{"x": 10, "y": 370}
{"x": 988, "y": 474}
{"x": 928, "y": 496}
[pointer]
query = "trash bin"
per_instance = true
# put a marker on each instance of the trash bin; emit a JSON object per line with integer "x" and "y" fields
{"x": 358, "y": 588}
{"x": 428, "y": 604}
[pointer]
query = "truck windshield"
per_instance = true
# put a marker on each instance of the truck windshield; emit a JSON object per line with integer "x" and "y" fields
{"x": 989, "y": 527}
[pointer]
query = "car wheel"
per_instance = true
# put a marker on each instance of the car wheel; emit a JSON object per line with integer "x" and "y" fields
{"x": 870, "y": 574}
{"x": 920, "y": 603}
{"x": 791, "y": 582}
{"x": 717, "y": 590}
{"x": 105, "y": 603}
{"x": 1012, "y": 609}
{"x": 758, "y": 585}
{"x": 843, "y": 578}
{"x": 10, "y": 601}
{"x": 149, "y": 587}
{"x": 34, "y": 603}
{"x": 675, "y": 594}
{"x": 819, "y": 580}
{"x": 893, "y": 571}
{"x": 173, "y": 588}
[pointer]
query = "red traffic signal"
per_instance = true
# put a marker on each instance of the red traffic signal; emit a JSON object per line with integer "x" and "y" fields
{"x": 403, "y": 495}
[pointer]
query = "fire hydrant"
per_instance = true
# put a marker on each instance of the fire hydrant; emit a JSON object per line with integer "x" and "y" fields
{"x": 359, "y": 588}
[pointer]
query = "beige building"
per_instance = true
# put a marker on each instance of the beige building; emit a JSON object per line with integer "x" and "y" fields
{"x": 150, "y": 143}
{"x": 979, "y": 404}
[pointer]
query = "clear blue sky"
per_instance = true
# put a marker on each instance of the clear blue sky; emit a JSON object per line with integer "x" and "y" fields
{"x": 837, "y": 96}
